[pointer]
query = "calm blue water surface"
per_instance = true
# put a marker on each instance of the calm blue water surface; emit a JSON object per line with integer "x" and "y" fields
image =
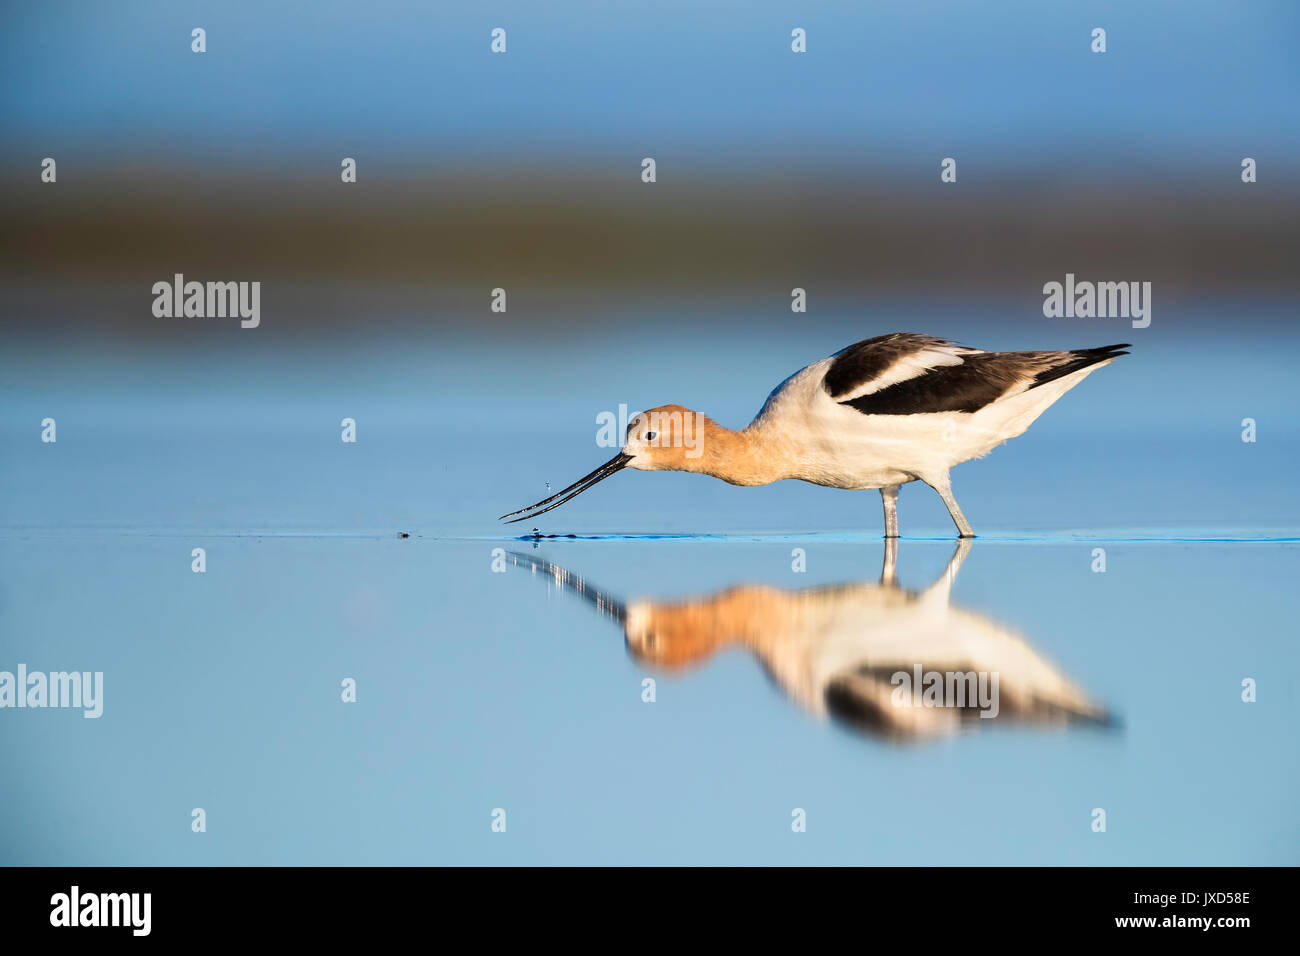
{"x": 480, "y": 690}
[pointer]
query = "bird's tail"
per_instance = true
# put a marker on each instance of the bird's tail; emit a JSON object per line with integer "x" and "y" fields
{"x": 1077, "y": 359}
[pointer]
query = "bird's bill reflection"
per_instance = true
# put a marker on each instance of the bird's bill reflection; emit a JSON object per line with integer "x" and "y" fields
{"x": 894, "y": 663}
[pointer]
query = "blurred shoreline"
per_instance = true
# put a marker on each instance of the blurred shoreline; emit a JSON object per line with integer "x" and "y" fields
{"x": 510, "y": 228}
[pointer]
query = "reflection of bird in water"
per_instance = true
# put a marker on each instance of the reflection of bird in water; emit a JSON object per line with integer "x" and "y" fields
{"x": 861, "y": 653}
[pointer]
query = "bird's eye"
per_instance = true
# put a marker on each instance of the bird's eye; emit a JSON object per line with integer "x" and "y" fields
{"x": 649, "y": 436}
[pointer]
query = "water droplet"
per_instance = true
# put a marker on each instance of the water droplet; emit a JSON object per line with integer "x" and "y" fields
{"x": 548, "y": 486}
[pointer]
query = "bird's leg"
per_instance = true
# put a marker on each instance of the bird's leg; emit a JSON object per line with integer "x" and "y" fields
{"x": 944, "y": 489}
{"x": 889, "y": 567}
{"x": 889, "y": 496}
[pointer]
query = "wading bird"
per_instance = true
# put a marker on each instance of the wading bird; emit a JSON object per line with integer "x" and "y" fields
{"x": 889, "y": 662}
{"x": 879, "y": 414}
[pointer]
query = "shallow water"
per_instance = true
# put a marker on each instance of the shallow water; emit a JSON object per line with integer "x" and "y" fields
{"x": 480, "y": 689}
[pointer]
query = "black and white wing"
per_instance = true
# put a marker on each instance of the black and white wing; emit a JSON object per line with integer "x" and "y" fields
{"x": 906, "y": 373}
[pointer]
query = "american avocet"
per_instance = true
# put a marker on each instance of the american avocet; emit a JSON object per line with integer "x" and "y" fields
{"x": 893, "y": 663}
{"x": 879, "y": 414}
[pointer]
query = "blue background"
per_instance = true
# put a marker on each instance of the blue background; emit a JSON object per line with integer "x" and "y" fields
{"x": 480, "y": 690}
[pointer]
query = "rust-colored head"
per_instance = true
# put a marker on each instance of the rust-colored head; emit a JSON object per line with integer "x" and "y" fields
{"x": 668, "y": 438}
{"x": 673, "y": 438}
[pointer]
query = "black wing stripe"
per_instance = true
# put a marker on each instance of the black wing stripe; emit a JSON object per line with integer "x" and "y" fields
{"x": 867, "y": 360}
{"x": 1080, "y": 358}
{"x": 979, "y": 381}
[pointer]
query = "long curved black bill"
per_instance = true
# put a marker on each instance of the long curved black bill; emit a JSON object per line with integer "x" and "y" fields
{"x": 614, "y": 465}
